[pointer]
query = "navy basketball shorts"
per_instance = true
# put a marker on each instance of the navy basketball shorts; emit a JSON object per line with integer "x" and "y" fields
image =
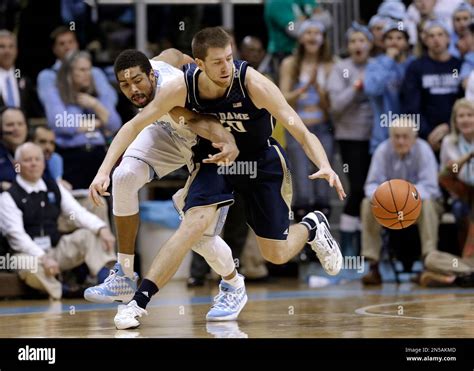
{"x": 267, "y": 193}
{"x": 263, "y": 180}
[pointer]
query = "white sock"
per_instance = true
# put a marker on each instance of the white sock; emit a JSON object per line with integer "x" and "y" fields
{"x": 237, "y": 281}
{"x": 126, "y": 261}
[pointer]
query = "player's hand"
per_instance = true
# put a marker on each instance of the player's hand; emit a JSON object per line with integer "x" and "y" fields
{"x": 332, "y": 178}
{"x": 227, "y": 155}
{"x": 98, "y": 188}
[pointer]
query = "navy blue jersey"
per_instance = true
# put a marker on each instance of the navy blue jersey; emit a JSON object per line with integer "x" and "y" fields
{"x": 251, "y": 126}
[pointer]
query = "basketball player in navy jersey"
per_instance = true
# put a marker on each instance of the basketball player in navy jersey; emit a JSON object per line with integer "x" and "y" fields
{"x": 247, "y": 103}
{"x": 159, "y": 149}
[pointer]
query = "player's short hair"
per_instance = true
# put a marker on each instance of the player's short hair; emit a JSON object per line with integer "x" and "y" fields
{"x": 210, "y": 37}
{"x": 132, "y": 58}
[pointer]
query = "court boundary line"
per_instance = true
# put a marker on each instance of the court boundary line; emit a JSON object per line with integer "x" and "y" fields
{"x": 364, "y": 310}
{"x": 201, "y": 300}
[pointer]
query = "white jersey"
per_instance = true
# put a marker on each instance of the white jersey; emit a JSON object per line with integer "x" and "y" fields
{"x": 166, "y": 144}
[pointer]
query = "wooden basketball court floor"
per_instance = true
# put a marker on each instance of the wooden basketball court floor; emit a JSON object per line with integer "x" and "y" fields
{"x": 287, "y": 308}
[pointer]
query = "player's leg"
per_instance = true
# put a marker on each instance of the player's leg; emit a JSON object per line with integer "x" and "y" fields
{"x": 232, "y": 296}
{"x": 169, "y": 258}
{"x": 269, "y": 214}
{"x": 154, "y": 151}
{"x": 165, "y": 264}
{"x": 203, "y": 192}
{"x": 128, "y": 178}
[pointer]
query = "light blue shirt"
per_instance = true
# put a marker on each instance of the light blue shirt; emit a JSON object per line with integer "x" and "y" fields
{"x": 56, "y": 110}
{"x": 382, "y": 84}
{"x": 418, "y": 167}
{"x": 56, "y": 166}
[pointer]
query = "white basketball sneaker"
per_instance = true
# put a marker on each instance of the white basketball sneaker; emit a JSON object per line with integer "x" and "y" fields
{"x": 228, "y": 303}
{"x": 324, "y": 244}
{"x": 127, "y": 315}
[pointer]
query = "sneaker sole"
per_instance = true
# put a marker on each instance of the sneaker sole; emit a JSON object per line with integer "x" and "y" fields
{"x": 337, "y": 245}
{"x": 130, "y": 327}
{"x": 230, "y": 317}
{"x": 102, "y": 299}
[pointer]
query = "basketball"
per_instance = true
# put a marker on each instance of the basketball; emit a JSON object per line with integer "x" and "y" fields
{"x": 396, "y": 204}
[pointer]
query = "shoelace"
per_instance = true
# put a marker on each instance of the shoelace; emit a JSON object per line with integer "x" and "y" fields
{"x": 329, "y": 259}
{"x": 225, "y": 300}
{"x": 110, "y": 276}
{"x": 323, "y": 246}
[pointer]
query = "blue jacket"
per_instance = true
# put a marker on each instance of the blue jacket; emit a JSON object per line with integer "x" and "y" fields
{"x": 467, "y": 66}
{"x": 382, "y": 83}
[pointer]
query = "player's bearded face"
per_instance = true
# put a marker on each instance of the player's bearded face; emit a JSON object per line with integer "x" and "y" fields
{"x": 137, "y": 86}
{"x": 219, "y": 65}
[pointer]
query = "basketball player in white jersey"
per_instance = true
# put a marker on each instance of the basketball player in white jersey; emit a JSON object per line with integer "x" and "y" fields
{"x": 160, "y": 149}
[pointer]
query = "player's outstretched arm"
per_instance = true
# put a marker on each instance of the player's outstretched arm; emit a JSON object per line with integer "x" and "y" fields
{"x": 210, "y": 128}
{"x": 265, "y": 94}
{"x": 171, "y": 95}
{"x": 174, "y": 57}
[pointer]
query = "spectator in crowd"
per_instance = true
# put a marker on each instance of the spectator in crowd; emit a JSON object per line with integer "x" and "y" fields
{"x": 252, "y": 51}
{"x": 65, "y": 42}
{"x": 441, "y": 272}
{"x": 44, "y": 137}
{"x": 395, "y": 10}
{"x": 13, "y": 133}
{"x": 402, "y": 156}
{"x": 462, "y": 18}
{"x": 431, "y": 86}
{"x": 16, "y": 90}
{"x": 420, "y": 11}
{"x": 30, "y": 210}
{"x": 376, "y": 27}
{"x": 353, "y": 119}
{"x": 283, "y": 18}
{"x": 383, "y": 79}
{"x": 303, "y": 78}
{"x": 457, "y": 171}
{"x": 323, "y": 15}
{"x": 468, "y": 62}
{"x": 82, "y": 117}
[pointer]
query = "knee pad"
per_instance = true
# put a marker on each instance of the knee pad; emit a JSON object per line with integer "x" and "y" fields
{"x": 127, "y": 179}
{"x": 217, "y": 254}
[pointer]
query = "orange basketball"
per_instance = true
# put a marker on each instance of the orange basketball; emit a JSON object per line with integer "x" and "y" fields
{"x": 396, "y": 204}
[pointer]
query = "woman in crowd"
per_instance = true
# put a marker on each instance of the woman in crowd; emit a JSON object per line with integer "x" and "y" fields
{"x": 82, "y": 119}
{"x": 353, "y": 118}
{"x": 303, "y": 77}
{"x": 457, "y": 171}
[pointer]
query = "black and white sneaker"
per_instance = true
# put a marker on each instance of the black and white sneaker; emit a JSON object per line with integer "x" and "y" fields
{"x": 323, "y": 243}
